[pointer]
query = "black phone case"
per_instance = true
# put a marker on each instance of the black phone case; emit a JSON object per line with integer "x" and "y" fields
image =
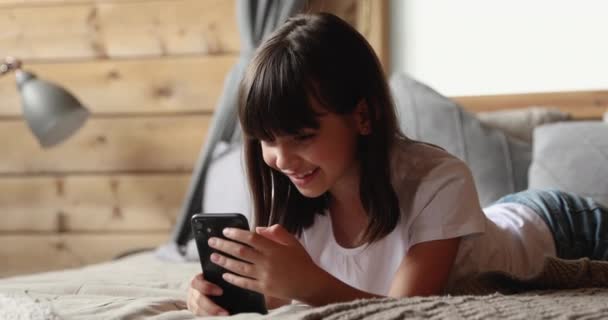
{"x": 234, "y": 299}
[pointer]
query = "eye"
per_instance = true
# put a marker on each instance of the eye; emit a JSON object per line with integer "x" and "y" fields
{"x": 304, "y": 137}
{"x": 268, "y": 143}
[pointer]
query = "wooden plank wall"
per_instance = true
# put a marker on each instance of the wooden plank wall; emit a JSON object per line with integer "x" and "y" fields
{"x": 151, "y": 72}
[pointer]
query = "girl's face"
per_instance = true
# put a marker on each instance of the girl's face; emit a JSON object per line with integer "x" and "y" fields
{"x": 318, "y": 160}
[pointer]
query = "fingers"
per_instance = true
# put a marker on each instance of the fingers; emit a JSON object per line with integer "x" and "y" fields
{"x": 205, "y": 287}
{"x": 239, "y": 267}
{"x": 198, "y": 303}
{"x": 282, "y": 234}
{"x": 266, "y": 233}
{"x": 252, "y": 239}
{"x": 246, "y": 283}
{"x": 279, "y": 234}
{"x": 201, "y": 305}
{"x": 235, "y": 249}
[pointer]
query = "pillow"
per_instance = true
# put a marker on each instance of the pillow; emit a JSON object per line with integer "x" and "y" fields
{"x": 226, "y": 189}
{"x": 573, "y": 157}
{"x": 520, "y": 123}
{"x": 499, "y": 163}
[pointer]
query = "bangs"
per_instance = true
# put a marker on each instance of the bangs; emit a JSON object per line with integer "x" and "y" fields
{"x": 277, "y": 97}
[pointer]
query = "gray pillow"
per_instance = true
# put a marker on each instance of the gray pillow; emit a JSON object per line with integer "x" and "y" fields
{"x": 499, "y": 163}
{"x": 520, "y": 123}
{"x": 573, "y": 157}
{"x": 226, "y": 189}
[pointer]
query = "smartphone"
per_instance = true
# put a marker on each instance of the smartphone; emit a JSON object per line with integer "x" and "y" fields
{"x": 233, "y": 299}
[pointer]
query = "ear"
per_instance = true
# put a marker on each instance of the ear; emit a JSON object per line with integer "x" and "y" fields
{"x": 362, "y": 118}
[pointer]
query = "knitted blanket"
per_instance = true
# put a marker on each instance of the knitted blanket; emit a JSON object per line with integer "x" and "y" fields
{"x": 144, "y": 287}
{"x": 562, "y": 304}
{"x": 556, "y": 274}
{"x": 491, "y": 295}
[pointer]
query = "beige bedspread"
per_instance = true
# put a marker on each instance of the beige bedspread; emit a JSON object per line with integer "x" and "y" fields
{"x": 138, "y": 286}
{"x": 141, "y": 286}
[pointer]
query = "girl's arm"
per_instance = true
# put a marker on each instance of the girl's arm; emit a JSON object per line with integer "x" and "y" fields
{"x": 332, "y": 290}
{"x": 273, "y": 303}
{"x": 282, "y": 268}
{"x": 424, "y": 271}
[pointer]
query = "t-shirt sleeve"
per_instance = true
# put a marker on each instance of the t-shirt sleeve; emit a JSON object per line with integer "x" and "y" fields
{"x": 446, "y": 205}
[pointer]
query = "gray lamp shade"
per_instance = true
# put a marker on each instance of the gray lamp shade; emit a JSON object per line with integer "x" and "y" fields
{"x": 52, "y": 113}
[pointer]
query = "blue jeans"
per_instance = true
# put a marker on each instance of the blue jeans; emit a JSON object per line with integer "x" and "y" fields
{"x": 579, "y": 225}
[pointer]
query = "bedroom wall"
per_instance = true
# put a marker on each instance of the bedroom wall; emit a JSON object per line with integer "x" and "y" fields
{"x": 150, "y": 71}
{"x": 476, "y": 47}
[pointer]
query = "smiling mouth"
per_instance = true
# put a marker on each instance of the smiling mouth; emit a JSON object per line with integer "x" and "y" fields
{"x": 303, "y": 178}
{"x": 303, "y": 175}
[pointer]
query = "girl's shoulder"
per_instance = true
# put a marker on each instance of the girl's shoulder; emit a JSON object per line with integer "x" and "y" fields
{"x": 417, "y": 161}
{"x": 436, "y": 192}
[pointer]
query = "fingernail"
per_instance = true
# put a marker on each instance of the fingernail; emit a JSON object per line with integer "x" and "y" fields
{"x": 227, "y": 231}
{"x": 215, "y": 257}
{"x": 212, "y": 241}
{"x": 217, "y": 291}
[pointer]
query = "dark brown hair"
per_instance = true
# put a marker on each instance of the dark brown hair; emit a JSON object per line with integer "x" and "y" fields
{"x": 317, "y": 56}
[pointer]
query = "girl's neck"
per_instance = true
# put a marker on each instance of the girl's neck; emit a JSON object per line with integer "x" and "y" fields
{"x": 348, "y": 216}
{"x": 349, "y": 221}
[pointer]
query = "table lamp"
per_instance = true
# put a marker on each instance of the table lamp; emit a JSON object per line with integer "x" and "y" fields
{"x": 52, "y": 113}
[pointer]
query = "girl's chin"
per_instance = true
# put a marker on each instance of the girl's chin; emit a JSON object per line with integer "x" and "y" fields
{"x": 310, "y": 193}
{"x": 312, "y": 196}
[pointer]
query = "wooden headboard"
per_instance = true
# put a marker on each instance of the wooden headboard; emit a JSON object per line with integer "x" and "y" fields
{"x": 151, "y": 73}
{"x": 582, "y": 105}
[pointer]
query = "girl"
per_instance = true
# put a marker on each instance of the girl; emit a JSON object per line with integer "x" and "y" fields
{"x": 355, "y": 208}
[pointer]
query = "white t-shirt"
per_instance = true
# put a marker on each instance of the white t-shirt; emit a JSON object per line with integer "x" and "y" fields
{"x": 437, "y": 200}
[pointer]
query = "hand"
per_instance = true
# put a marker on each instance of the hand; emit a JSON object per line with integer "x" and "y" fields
{"x": 199, "y": 303}
{"x": 275, "y": 263}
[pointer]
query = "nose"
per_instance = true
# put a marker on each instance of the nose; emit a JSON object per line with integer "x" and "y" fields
{"x": 285, "y": 159}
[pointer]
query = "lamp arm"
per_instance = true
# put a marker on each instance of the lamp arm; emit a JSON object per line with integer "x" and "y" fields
{"x": 9, "y": 64}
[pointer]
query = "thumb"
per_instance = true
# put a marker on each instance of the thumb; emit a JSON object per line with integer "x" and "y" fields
{"x": 278, "y": 234}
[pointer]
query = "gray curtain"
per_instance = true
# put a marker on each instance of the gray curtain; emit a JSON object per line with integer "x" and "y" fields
{"x": 256, "y": 19}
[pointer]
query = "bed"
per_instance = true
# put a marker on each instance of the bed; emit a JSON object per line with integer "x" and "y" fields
{"x": 153, "y": 283}
{"x": 142, "y": 285}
